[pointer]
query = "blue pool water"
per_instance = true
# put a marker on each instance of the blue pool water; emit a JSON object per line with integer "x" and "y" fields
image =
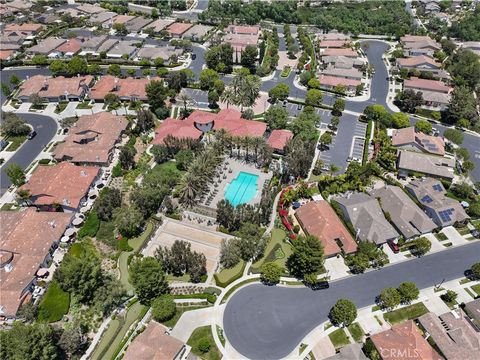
{"x": 242, "y": 189}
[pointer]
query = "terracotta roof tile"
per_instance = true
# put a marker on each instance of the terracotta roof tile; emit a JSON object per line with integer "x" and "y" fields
{"x": 46, "y": 86}
{"x": 278, "y": 139}
{"x": 426, "y": 143}
{"x": 129, "y": 87}
{"x": 178, "y": 28}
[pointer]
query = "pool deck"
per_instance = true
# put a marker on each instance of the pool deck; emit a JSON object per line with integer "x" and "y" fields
{"x": 237, "y": 166}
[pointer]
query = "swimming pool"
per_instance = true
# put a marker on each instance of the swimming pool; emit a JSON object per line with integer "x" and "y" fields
{"x": 242, "y": 189}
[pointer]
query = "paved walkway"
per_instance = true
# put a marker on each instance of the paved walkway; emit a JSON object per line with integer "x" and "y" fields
{"x": 454, "y": 236}
{"x": 191, "y": 320}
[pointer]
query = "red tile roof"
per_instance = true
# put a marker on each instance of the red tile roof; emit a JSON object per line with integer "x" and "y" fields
{"x": 340, "y": 52}
{"x": 425, "y": 84}
{"x": 418, "y": 60}
{"x": 25, "y": 28}
{"x": 319, "y": 219}
{"x": 427, "y": 143}
{"x": 91, "y": 139}
{"x": 70, "y": 46}
{"x": 333, "y": 43}
{"x": 5, "y": 54}
{"x": 25, "y": 239}
{"x": 154, "y": 344}
{"x": 46, "y": 86}
{"x": 178, "y": 28}
{"x": 64, "y": 184}
{"x": 278, "y": 139}
{"x": 414, "y": 38}
{"x": 239, "y": 29}
{"x": 404, "y": 342}
{"x": 228, "y": 119}
{"x": 129, "y": 87}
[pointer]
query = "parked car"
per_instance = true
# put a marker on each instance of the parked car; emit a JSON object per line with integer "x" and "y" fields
{"x": 3, "y": 144}
{"x": 475, "y": 233}
{"x": 194, "y": 56}
{"x": 32, "y": 135}
{"x": 322, "y": 285}
{"x": 395, "y": 248}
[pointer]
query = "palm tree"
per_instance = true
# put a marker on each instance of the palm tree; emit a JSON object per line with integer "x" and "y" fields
{"x": 228, "y": 96}
{"x": 188, "y": 189}
{"x": 184, "y": 98}
{"x": 247, "y": 141}
{"x": 257, "y": 143}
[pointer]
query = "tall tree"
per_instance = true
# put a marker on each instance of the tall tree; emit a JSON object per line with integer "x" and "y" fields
{"x": 276, "y": 117}
{"x": 343, "y": 313}
{"x": 148, "y": 279}
{"x": 16, "y": 174}
{"x": 307, "y": 256}
{"x": 249, "y": 57}
{"x": 462, "y": 106}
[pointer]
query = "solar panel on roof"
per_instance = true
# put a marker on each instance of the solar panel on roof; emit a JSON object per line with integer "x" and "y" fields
{"x": 426, "y": 199}
{"x": 437, "y": 187}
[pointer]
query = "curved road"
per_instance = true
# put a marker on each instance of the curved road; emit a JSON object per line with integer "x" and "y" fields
{"x": 268, "y": 322}
{"x": 46, "y": 128}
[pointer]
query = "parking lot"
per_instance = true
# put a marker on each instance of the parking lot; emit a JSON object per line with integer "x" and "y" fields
{"x": 358, "y": 141}
{"x": 199, "y": 98}
{"x": 295, "y": 109}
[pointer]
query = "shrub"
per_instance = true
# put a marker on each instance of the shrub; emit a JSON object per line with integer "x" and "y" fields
{"x": 271, "y": 273}
{"x": 163, "y": 308}
{"x": 91, "y": 225}
{"x": 204, "y": 345}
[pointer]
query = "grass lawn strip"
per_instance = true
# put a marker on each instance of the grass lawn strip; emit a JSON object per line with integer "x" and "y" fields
{"x": 275, "y": 247}
{"x": 470, "y": 292}
{"x": 356, "y": 331}
{"x": 230, "y": 292}
{"x": 227, "y": 276}
{"x": 108, "y": 344}
{"x": 407, "y": 313}
{"x": 204, "y": 332}
{"x": 15, "y": 142}
{"x": 339, "y": 338}
{"x": 54, "y": 304}
{"x": 476, "y": 288}
{"x": 180, "y": 310}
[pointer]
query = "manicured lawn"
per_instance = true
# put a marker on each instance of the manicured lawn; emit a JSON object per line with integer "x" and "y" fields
{"x": 339, "y": 338}
{"x": 60, "y": 107}
{"x": 276, "y": 251}
{"x": 407, "y": 313}
{"x": 15, "y": 142}
{"x": 54, "y": 305}
{"x": 180, "y": 310}
{"x": 84, "y": 105}
{"x": 356, "y": 331}
{"x": 476, "y": 288}
{"x": 441, "y": 236}
{"x": 226, "y": 276}
{"x": 199, "y": 334}
{"x": 110, "y": 341}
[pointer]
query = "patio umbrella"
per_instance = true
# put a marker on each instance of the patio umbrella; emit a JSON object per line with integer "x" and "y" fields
{"x": 84, "y": 209}
{"x": 65, "y": 239}
{"x": 77, "y": 221}
{"x": 42, "y": 272}
{"x": 70, "y": 232}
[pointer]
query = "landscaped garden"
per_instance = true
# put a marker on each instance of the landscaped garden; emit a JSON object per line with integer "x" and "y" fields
{"x": 407, "y": 313}
{"x": 278, "y": 250}
{"x": 356, "y": 331}
{"x": 54, "y": 304}
{"x": 339, "y": 338}
{"x": 203, "y": 344}
{"x": 227, "y": 276}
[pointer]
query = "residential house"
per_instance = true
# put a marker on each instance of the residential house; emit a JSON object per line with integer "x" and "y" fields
{"x": 91, "y": 45}
{"x": 177, "y": 29}
{"x": 317, "y": 218}
{"x": 443, "y": 210}
{"x": 7, "y": 55}
{"x": 415, "y": 162}
{"x": 349, "y": 352}
{"x": 343, "y": 62}
{"x": 103, "y": 19}
{"x": 137, "y": 24}
{"x": 331, "y": 82}
{"x": 90, "y": 9}
{"x": 69, "y": 48}
{"x": 453, "y": 333}
{"x": 242, "y": 29}
{"x": 367, "y": 218}
{"x": 347, "y": 52}
{"x": 197, "y": 32}
{"x": 160, "y": 24}
{"x": 122, "y": 19}
{"x": 406, "y": 216}
{"x": 55, "y": 88}
{"x": 404, "y": 341}
{"x": 420, "y": 63}
{"x": 45, "y": 46}
{"x": 27, "y": 239}
{"x": 419, "y": 45}
{"x": 413, "y": 140}
{"x": 122, "y": 49}
{"x": 239, "y": 37}
{"x": 129, "y": 89}
{"x": 155, "y": 343}
{"x": 91, "y": 140}
{"x": 352, "y": 73}
{"x": 26, "y": 29}
{"x": 63, "y": 184}
{"x": 435, "y": 94}
{"x": 200, "y": 122}
{"x": 107, "y": 45}
{"x": 333, "y": 36}
{"x": 430, "y": 6}
{"x": 472, "y": 309}
{"x": 278, "y": 140}
{"x": 152, "y": 52}
{"x": 325, "y": 44}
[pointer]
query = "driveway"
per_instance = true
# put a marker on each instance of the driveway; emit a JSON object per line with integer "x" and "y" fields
{"x": 46, "y": 128}
{"x": 267, "y": 322}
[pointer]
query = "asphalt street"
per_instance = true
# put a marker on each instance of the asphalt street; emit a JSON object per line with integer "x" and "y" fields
{"x": 46, "y": 127}
{"x": 267, "y": 322}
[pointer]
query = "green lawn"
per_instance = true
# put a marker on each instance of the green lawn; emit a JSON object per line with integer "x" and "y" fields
{"x": 107, "y": 346}
{"x": 199, "y": 334}
{"x": 356, "y": 331}
{"x": 277, "y": 251}
{"x": 54, "y": 305}
{"x": 441, "y": 236}
{"x": 407, "y": 313}
{"x": 60, "y": 107}
{"x": 227, "y": 276}
{"x": 15, "y": 142}
{"x": 84, "y": 105}
{"x": 476, "y": 288}
{"x": 339, "y": 338}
